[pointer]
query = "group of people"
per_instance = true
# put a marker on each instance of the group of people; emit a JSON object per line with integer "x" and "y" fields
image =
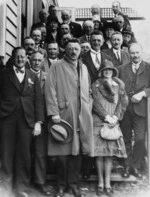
{"x": 61, "y": 91}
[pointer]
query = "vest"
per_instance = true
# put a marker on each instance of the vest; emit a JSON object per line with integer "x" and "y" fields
{"x": 133, "y": 84}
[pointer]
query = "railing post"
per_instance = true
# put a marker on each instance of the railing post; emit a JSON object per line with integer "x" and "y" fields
{"x": 148, "y": 139}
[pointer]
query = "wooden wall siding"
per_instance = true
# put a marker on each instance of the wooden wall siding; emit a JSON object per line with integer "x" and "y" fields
{"x": 12, "y": 17}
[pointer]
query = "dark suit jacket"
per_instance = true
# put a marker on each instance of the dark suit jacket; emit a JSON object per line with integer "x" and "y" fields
{"x": 87, "y": 60}
{"x": 49, "y": 38}
{"x": 30, "y": 97}
{"x": 75, "y": 29}
{"x": 142, "y": 83}
{"x": 125, "y": 58}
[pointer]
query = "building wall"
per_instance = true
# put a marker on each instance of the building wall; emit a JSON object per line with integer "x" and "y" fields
{"x": 10, "y": 26}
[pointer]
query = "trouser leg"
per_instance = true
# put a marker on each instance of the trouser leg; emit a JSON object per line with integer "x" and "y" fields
{"x": 139, "y": 141}
{"x": 126, "y": 126}
{"x": 39, "y": 157}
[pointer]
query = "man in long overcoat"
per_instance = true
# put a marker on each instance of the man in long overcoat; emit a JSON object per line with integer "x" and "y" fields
{"x": 67, "y": 92}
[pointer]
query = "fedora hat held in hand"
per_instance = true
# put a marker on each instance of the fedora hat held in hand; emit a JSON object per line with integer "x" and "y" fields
{"x": 61, "y": 132}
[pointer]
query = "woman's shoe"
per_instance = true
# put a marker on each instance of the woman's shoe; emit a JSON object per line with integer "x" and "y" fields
{"x": 100, "y": 191}
{"x": 109, "y": 192}
{"x": 126, "y": 172}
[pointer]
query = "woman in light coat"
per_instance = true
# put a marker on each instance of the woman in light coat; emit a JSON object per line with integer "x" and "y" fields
{"x": 109, "y": 104}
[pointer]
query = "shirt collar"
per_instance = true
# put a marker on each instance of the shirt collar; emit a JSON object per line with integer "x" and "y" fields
{"x": 136, "y": 65}
{"x": 15, "y": 68}
{"x": 95, "y": 52}
{"x": 52, "y": 60}
{"x": 116, "y": 50}
{"x": 37, "y": 72}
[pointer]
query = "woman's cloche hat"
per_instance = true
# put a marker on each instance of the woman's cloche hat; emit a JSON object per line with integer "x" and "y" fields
{"x": 108, "y": 65}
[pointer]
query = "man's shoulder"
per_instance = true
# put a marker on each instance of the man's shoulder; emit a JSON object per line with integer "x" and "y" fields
{"x": 107, "y": 51}
{"x": 124, "y": 66}
{"x": 85, "y": 55}
{"x": 30, "y": 73}
{"x": 122, "y": 14}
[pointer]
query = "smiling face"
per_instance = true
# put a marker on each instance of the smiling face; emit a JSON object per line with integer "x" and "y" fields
{"x": 37, "y": 61}
{"x": 107, "y": 73}
{"x": 135, "y": 51}
{"x": 29, "y": 45}
{"x": 52, "y": 50}
{"x": 96, "y": 42}
{"x": 73, "y": 51}
{"x": 65, "y": 15}
{"x": 85, "y": 47}
{"x": 116, "y": 41}
{"x": 20, "y": 58}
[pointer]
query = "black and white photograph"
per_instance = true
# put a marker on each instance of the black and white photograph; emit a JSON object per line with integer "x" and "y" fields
{"x": 74, "y": 98}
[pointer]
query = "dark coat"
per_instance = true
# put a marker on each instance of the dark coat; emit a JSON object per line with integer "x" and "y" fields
{"x": 142, "y": 83}
{"x": 125, "y": 58}
{"x": 30, "y": 97}
{"x": 87, "y": 60}
{"x": 75, "y": 29}
{"x": 38, "y": 25}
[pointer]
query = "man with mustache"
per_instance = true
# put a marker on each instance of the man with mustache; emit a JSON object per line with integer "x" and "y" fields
{"x": 118, "y": 56}
{"x": 136, "y": 76}
{"x": 67, "y": 93}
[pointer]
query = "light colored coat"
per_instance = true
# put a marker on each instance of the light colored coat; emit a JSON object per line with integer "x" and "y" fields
{"x": 63, "y": 98}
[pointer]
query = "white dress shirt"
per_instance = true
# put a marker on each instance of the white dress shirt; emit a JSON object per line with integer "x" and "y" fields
{"x": 95, "y": 55}
{"x": 20, "y": 75}
{"x": 135, "y": 67}
{"x": 52, "y": 60}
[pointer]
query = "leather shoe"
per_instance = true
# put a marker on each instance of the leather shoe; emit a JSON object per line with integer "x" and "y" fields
{"x": 77, "y": 192}
{"x": 126, "y": 172}
{"x": 100, "y": 191}
{"x": 109, "y": 192}
{"x": 42, "y": 189}
{"x": 137, "y": 173}
{"x": 60, "y": 193}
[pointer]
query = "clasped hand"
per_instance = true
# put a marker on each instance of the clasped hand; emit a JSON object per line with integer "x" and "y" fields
{"x": 111, "y": 120}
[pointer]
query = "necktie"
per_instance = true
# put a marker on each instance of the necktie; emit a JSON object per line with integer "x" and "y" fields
{"x": 88, "y": 38}
{"x": 97, "y": 62}
{"x": 118, "y": 56}
{"x": 19, "y": 70}
{"x": 135, "y": 69}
